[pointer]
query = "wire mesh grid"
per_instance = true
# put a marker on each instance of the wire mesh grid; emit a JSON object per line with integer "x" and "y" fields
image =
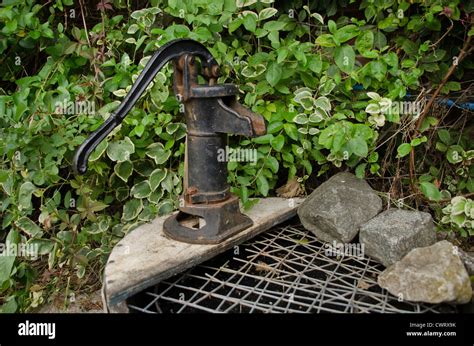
{"x": 285, "y": 270}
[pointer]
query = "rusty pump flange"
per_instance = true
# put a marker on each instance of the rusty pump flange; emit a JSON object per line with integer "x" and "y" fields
{"x": 209, "y": 213}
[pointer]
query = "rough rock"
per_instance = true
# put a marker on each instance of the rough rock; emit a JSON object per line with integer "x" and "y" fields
{"x": 468, "y": 260}
{"x": 389, "y": 236}
{"x": 431, "y": 274}
{"x": 337, "y": 208}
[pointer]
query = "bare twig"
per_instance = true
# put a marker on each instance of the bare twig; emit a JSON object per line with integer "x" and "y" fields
{"x": 81, "y": 4}
{"x": 465, "y": 51}
{"x": 444, "y": 35}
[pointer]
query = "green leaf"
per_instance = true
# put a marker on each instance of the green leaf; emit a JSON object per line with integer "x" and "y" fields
{"x": 391, "y": 59}
{"x": 29, "y": 227}
{"x": 235, "y": 24}
{"x": 378, "y": 70}
{"x": 262, "y": 184}
{"x": 445, "y": 136}
{"x": 417, "y": 141}
{"x": 139, "y": 129}
{"x": 332, "y": 26}
{"x": 9, "y": 307}
{"x": 408, "y": 63}
{"x": 358, "y": 146}
{"x": 300, "y": 56}
{"x": 24, "y": 195}
{"x": 458, "y": 206}
{"x": 4, "y": 174}
{"x": 124, "y": 170}
{"x": 374, "y": 96}
{"x": 156, "y": 177}
{"x": 459, "y": 220}
{"x": 318, "y": 17}
{"x": 274, "y": 25}
{"x": 325, "y": 40}
{"x": 265, "y": 139}
{"x": 403, "y": 149}
{"x": 273, "y": 74}
{"x": 291, "y": 130}
{"x": 253, "y": 71}
{"x": 373, "y": 157}
{"x": 278, "y": 142}
{"x": 323, "y": 103}
{"x": 122, "y": 193}
{"x": 10, "y": 26}
{"x": 99, "y": 150}
{"x": 158, "y": 153}
{"x": 131, "y": 209}
{"x": 430, "y": 191}
{"x": 156, "y": 196}
{"x": 132, "y": 29}
{"x": 306, "y": 101}
{"x": 365, "y": 41}
{"x": 373, "y": 108}
{"x": 427, "y": 123}
{"x": 167, "y": 183}
{"x": 451, "y": 86}
{"x": 250, "y": 22}
{"x": 267, "y": 13}
{"x": 120, "y": 92}
{"x": 282, "y": 54}
{"x": 120, "y": 150}
{"x": 454, "y": 154}
{"x": 165, "y": 207}
{"x": 345, "y": 58}
{"x": 301, "y": 119}
{"x": 360, "y": 171}
{"x": 346, "y": 33}
{"x": 13, "y": 237}
{"x": 6, "y": 266}
{"x": 317, "y": 116}
{"x": 272, "y": 163}
{"x": 315, "y": 64}
{"x": 274, "y": 127}
{"x": 141, "y": 190}
{"x": 43, "y": 246}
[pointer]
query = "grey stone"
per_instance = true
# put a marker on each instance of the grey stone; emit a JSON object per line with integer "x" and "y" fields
{"x": 337, "y": 208}
{"x": 392, "y": 234}
{"x": 468, "y": 260}
{"x": 432, "y": 274}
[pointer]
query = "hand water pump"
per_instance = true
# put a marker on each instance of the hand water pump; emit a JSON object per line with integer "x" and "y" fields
{"x": 210, "y": 213}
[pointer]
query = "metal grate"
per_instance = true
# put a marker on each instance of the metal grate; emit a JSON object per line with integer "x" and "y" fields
{"x": 285, "y": 270}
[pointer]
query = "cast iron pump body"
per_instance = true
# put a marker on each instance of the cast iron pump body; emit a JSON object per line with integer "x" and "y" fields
{"x": 208, "y": 212}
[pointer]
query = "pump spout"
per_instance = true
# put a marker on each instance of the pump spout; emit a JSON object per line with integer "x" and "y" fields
{"x": 233, "y": 114}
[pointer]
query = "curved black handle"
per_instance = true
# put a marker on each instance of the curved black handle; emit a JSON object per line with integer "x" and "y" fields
{"x": 169, "y": 51}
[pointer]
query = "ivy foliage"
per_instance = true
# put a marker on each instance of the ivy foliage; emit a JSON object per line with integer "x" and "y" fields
{"x": 324, "y": 77}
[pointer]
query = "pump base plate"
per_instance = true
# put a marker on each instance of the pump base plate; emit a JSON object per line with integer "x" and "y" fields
{"x": 213, "y": 223}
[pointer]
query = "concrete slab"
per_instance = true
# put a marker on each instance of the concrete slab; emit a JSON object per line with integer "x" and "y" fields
{"x": 146, "y": 256}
